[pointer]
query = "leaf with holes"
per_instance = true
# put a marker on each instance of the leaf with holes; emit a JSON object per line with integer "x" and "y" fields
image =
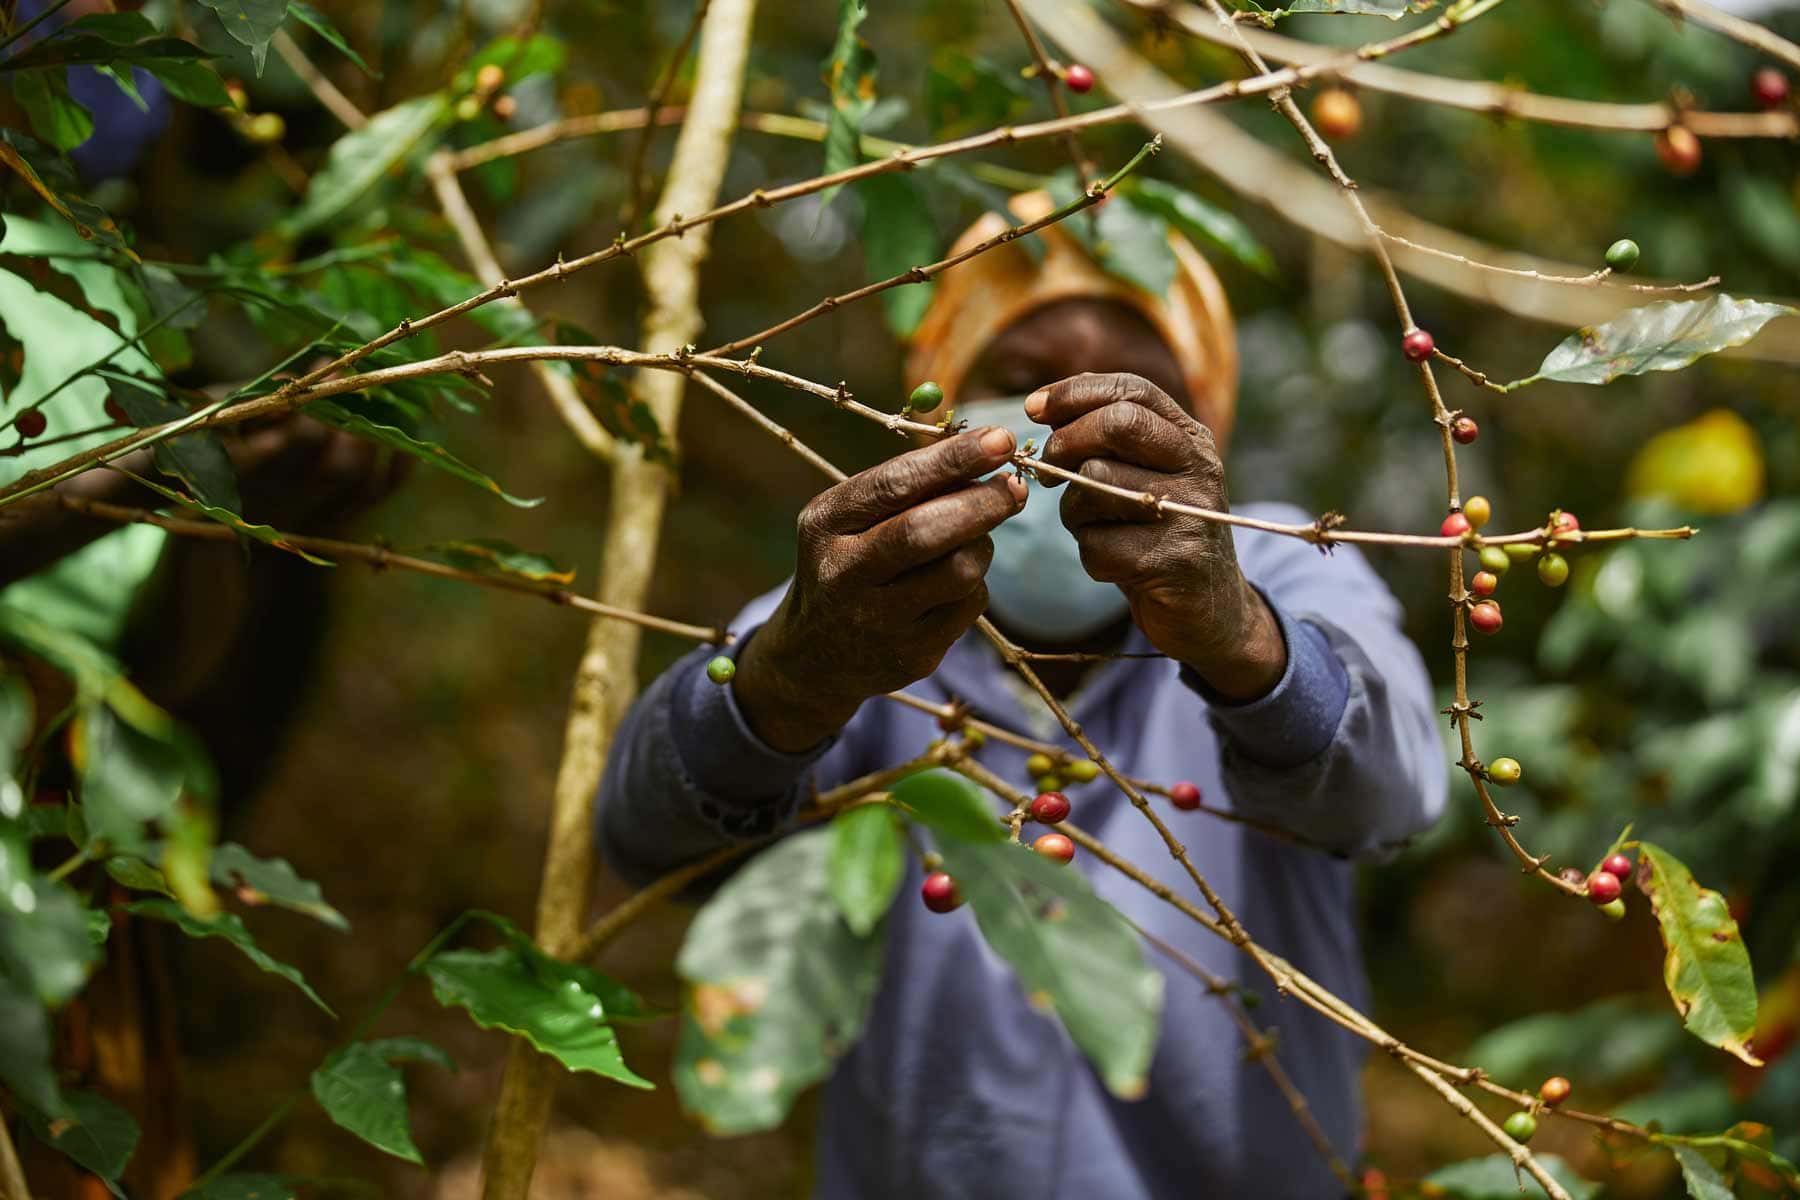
{"x": 491, "y": 556}
{"x": 1074, "y": 953}
{"x": 1201, "y": 221}
{"x": 251, "y": 22}
{"x": 897, "y": 235}
{"x": 778, "y": 988}
{"x": 553, "y": 1005}
{"x": 363, "y": 157}
{"x": 361, "y": 1090}
{"x": 271, "y": 881}
{"x": 1497, "y": 1178}
{"x": 1666, "y": 336}
{"x": 93, "y": 1131}
{"x": 1705, "y": 966}
{"x": 229, "y": 927}
{"x": 868, "y": 858}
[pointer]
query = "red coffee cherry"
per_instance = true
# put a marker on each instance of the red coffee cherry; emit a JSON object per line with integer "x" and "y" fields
{"x": 1455, "y": 525}
{"x": 1078, "y": 78}
{"x": 1337, "y": 113}
{"x": 1185, "y": 795}
{"x": 1485, "y": 617}
{"x": 1465, "y": 430}
{"x": 1055, "y": 846}
{"x": 1554, "y": 1090}
{"x": 1484, "y": 583}
{"x": 940, "y": 893}
{"x": 1769, "y": 88}
{"x": 1566, "y": 523}
{"x": 1619, "y": 865}
{"x": 115, "y": 412}
{"x": 1051, "y": 808}
{"x": 1603, "y": 888}
{"x": 1679, "y": 150}
{"x": 1417, "y": 345}
{"x": 30, "y": 423}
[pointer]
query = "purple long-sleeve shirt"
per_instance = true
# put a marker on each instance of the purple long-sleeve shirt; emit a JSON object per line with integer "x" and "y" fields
{"x": 959, "y": 1087}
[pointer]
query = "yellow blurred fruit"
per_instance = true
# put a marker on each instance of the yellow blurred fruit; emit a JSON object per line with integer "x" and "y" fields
{"x": 1712, "y": 465}
{"x": 1337, "y": 113}
{"x": 489, "y": 78}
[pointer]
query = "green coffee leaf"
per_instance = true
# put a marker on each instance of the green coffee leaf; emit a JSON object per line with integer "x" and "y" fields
{"x": 1705, "y": 966}
{"x": 1202, "y": 222}
{"x": 361, "y": 158}
{"x": 1073, "y": 953}
{"x": 271, "y": 881}
{"x": 266, "y": 534}
{"x": 491, "y": 556}
{"x": 627, "y": 419}
{"x": 17, "y": 714}
{"x": 1496, "y": 1178}
{"x": 197, "y": 459}
{"x": 337, "y": 414}
{"x": 55, "y": 116}
{"x": 620, "y": 1002}
{"x": 1665, "y": 336}
{"x": 850, "y": 79}
{"x": 52, "y": 178}
{"x": 778, "y": 989}
{"x": 897, "y": 235}
{"x": 540, "y": 55}
{"x": 92, "y": 1130}
{"x": 1131, "y": 243}
{"x": 129, "y": 777}
{"x": 1702, "y": 1178}
{"x": 965, "y": 93}
{"x": 362, "y": 1091}
{"x": 25, "y": 1048}
{"x": 867, "y": 860}
{"x": 558, "y": 1007}
{"x": 44, "y": 942}
{"x": 310, "y": 17}
{"x": 1749, "y": 1141}
{"x": 231, "y": 928}
{"x": 251, "y": 22}
{"x": 138, "y": 875}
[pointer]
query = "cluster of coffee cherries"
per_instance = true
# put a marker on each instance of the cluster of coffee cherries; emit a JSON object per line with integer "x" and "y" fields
{"x": 1522, "y": 1126}
{"x": 1552, "y": 567}
{"x": 1606, "y": 885}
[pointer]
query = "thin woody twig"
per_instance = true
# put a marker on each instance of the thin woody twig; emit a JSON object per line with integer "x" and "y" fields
{"x": 636, "y": 183}
{"x": 1734, "y": 27}
{"x": 1051, "y": 74}
{"x": 1604, "y": 277}
{"x": 325, "y": 91}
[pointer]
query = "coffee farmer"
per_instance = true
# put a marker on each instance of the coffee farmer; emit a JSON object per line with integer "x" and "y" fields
{"x": 1288, "y": 693}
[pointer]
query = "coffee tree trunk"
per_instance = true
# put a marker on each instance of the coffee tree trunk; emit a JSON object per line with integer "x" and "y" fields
{"x": 606, "y": 679}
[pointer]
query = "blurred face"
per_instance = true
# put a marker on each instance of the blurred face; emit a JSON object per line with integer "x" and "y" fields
{"x": 1067, "y": 338}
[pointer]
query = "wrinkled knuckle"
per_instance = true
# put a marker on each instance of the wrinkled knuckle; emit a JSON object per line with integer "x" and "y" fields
{"x": 966, "y": 570}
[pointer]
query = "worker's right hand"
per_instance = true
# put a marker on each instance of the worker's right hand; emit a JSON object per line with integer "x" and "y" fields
{"x": 890, "y": 574}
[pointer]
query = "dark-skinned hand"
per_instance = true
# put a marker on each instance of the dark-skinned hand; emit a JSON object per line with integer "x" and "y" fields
{"x": 890, "y": 574}
{"x": 1179, "y": 573}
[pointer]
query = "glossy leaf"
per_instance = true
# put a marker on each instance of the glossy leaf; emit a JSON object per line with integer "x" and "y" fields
{"x": 92, "y": 1130}
{"x": 1705, "y": 966}
{"x": 1131, "y": 243}
{"x": 1074, "y": 953}
{"x": 137, "y": 875}
{"x": 229, "y": 927}
{"x": 194, "y": 82}
{"x": 555, "y": 1006}
{"x": 627, "y": 419}
{"x": 1201, "y": 221}
{"x": 1749, "y": 1141}
{"x": 105, "y": 39}
{"x": 1496, "y": 1178}
{"x": 1666, "y": 336}
{"x": 129, "y": 778}
{"x": 44, "y": 943}
{"x": 55, "y": 115}
{"x": 491, "y": 556}
{"x": 897, "y": 235}
{"x": 1702, "y": 1178}
{"x": 778, "y": 987}
{"x": 620, "y": 1002}
{"x": 361, "y": 1089}
{"x": 850, "y": 79}
{"x": 867, "y": 861}
{"x": 271, "y": 881}
{"x": 197, "y": 459}
{"x": 54, "y": 180}
{"x": 314, "y": 20}
{"x": 361, "y": 158}
{"x": 337, "y": 415}
{"x": 251, "y": 22}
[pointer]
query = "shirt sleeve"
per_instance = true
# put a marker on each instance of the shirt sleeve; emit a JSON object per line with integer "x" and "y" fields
{"x": 1344, "y": 750}
{"x": 686, "y": 776}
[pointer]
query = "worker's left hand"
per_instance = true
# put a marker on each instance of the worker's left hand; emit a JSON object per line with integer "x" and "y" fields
{"x": 1180, "y": 573}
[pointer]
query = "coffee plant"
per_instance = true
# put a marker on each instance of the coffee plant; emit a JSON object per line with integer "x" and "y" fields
{"x": 376, "y": 301}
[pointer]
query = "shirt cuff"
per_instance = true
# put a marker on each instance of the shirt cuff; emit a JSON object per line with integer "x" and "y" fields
{"x": 1296, "y": 720}
{"x": 721, "y": 754}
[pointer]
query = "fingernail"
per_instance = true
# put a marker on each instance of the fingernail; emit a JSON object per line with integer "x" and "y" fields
{"x": 1016, "y": 486}
{"x": 1034, "y": 403}
{"x": 996, "y": 442}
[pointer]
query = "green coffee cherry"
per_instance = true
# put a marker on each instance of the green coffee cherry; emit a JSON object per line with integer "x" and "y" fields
{"x": 1493, "y": 558}
{"x": 1520, "y": 1127}
{"x": 1505, "y": 771}
{"x": 1048, "y": 783}
{"x": 1553, "y": 569}
{"x": 1082, "y": 770}
{"x": 721, "y": 669}
{"x": 1522, "y": 551}
{"x": 1614, "y": 908}
{"x": 1040, "y": 764}
{"x": 925, "y": 397}
{"x": 1622, "y": 255}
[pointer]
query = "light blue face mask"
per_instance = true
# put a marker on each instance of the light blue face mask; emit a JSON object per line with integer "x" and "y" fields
{"x": 1036, "y": 585}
